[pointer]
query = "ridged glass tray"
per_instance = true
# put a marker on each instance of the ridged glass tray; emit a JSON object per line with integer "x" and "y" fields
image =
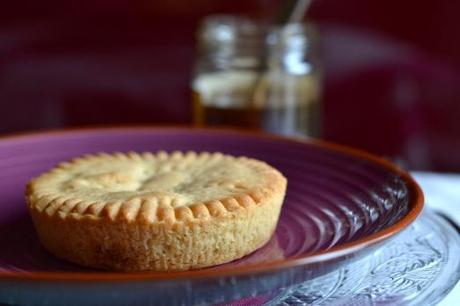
{"x": 418, "y": 267}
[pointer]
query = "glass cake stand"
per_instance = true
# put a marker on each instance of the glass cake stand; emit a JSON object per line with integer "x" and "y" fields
{"x": 419, "y": 267}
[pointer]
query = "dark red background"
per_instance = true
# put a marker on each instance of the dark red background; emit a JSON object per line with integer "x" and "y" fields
{"x": 392, "y": 68}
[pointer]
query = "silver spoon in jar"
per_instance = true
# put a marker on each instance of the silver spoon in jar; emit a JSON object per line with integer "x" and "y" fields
{"x": 292, "y": 12}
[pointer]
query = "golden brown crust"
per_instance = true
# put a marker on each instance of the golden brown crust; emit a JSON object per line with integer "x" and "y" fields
{"x": 117, "y": 218}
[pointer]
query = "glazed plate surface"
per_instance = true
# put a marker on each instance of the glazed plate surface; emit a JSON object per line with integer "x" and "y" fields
{"x": 341, "y": 204}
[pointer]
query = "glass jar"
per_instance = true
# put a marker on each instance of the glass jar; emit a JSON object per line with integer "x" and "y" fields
{"x": 251, "y": 75}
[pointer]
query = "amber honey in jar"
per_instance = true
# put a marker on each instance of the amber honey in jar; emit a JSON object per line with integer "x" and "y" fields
{"x": 250, "y": 75}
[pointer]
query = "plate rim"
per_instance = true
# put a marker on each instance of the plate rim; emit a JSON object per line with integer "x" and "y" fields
{"x": 416, "y": 204}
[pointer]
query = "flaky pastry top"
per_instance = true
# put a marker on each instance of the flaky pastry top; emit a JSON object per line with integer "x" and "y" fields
{"x": 150, "y": 187}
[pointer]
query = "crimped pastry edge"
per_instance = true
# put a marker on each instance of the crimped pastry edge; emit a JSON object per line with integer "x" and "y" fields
{"x": 121, "y": 211}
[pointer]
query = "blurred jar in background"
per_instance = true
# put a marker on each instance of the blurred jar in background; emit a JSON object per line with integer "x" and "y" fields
{"x": 252, "y": 75}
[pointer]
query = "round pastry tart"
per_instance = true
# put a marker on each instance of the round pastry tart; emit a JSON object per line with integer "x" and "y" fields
{"x": 162, "y": 212}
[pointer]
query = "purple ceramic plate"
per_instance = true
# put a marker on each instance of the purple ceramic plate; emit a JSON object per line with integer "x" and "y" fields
{"x": 341, "y": 204}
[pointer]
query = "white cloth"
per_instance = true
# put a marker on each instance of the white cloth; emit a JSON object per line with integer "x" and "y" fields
{"x": 442, "y": 193}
